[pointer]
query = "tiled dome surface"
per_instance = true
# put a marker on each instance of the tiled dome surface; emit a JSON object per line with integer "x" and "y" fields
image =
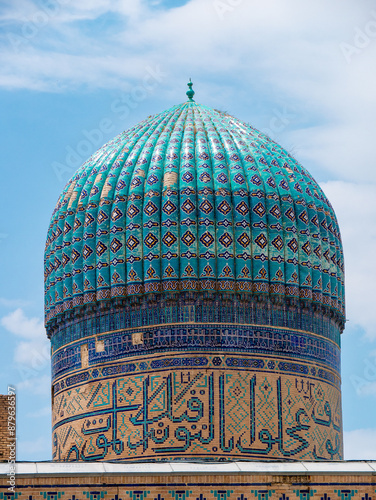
{"x": 192, "y": 199}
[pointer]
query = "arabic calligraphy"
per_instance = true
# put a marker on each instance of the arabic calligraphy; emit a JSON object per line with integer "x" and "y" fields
{"x": 203, "y": 413}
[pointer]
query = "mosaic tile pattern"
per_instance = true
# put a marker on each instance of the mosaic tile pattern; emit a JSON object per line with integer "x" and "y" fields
{"x": 195, "y": 409}
{"x": 183, "y": 309}
{"x": 192, "y": 199}
{"x": 238, "y": 361}
{"x": 167, "y": 487}
{"x": 227, "y": 492}
{"x": 285, "y": 345}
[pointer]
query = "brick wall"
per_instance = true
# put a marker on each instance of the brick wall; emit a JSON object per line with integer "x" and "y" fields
{"x": 7, "y": 427}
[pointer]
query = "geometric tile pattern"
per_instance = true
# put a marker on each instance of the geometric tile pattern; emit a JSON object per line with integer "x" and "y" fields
{"x": 290, "y": 346}
{"x": 192, "y": 486}
{"x": 185, "y": 191}
{"x": 248, "y": 313}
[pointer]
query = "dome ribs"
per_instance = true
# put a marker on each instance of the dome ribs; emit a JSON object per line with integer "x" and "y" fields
{"x": 104, "y": 199}
{"x": 223, "y": 205}
{"x": 137, "y": 175}
{"x": 170, "y": 216}
{"x": 77, "y": 215}
{"x": 206, "y": 214}
{"x": 103, "y": 223}
{"x": 241, "y": 226}
{"x": 152, "y": 205}
{"x": 187, "y": 179}
{"x": 125, "y": 247}
{"x": 192, "y": 200}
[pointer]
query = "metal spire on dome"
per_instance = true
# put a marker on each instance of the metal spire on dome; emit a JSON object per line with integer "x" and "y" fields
{"x": 190, "y": 93}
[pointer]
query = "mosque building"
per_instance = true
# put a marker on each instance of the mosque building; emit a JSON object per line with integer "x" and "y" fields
{"x": 194, "y": 298}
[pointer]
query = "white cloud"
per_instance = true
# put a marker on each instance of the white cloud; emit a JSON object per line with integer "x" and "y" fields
{"x": 342, "y": 150}
{"x": 32, "y": 350}
{"x": 20, "y": 325}
{"x": 292, "y": 49}
{"x": 38, "y": 13}
{"x": 360, "y": 444}
{"x": 34, "y": 354}
{"x": 355, "y": 206}
{"x": 250, "y": 37}
{"x": 363, "y": 380}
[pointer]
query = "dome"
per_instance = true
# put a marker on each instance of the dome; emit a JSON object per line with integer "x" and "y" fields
{"x": 194, "y": 299}
{"x": 192, "y": 199}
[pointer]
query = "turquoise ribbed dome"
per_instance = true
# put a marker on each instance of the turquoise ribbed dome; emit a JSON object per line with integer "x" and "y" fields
{"x": 192, "y": 199}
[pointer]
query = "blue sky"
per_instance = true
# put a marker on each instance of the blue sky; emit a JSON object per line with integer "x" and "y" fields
{"x": 75, "y": 74}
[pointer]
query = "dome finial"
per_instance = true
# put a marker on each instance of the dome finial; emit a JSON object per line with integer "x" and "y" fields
{"x": 190, "y": 93}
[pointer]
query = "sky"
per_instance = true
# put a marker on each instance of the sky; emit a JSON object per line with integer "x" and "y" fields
{"x": 75, "y": 74}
